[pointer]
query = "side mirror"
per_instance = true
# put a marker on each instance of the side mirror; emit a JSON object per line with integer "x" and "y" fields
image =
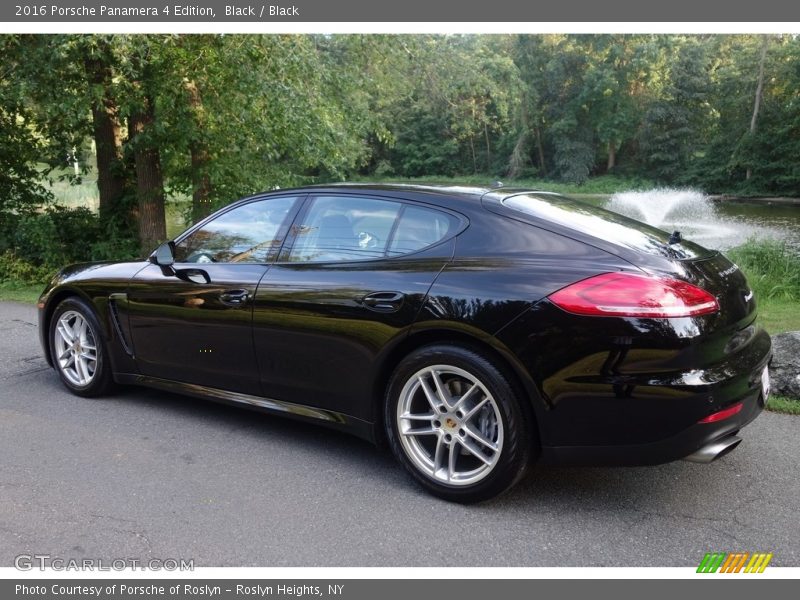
{"x": 164, "y": 255}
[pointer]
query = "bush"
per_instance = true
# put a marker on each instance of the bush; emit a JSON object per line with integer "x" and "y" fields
{"x": 34, "y": 244}
{"x": 13, "y": 268}
{"x": 772, "y": 268}
{"x": 56, "y": 236}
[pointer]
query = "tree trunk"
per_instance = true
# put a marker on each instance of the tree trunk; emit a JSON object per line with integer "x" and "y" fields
{"x": 472, "y": 148}
{"x": 540, "y": 150}
{"x": 201, "y": 182}
{"x": 488, "y": 149}
{"x": 759, "y": 93}
{"x": 149, "y": 179}
{"x": 107, "y": 137}
{"x": 518, "y": 156}
{"x": 612, "y": 157}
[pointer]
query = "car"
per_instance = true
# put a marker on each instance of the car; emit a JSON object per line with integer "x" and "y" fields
{"x": 474, "y": 331}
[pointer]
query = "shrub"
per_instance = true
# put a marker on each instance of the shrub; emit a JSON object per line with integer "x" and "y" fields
{"x": 34, "y": 244}
{"x": 772, "y": 268}
{"x": 13, "y": 268}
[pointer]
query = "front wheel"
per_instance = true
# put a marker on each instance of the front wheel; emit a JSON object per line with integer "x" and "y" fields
{"x": 457, "y": 424}
{"x": 78, "y": 349}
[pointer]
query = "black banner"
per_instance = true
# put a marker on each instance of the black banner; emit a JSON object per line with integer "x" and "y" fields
{"x": 350, "y": 589}
{"x": 152, "y": 11}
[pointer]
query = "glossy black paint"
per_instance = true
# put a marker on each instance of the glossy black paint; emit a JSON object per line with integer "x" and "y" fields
{"x": 318, "y": 341}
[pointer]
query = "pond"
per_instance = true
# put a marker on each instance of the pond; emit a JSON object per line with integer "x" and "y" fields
{"x": 713, "y": 223}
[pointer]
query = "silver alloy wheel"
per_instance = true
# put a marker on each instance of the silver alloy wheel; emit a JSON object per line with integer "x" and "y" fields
{"x": 75, "y": 348}
{"x": 450, "y": 426}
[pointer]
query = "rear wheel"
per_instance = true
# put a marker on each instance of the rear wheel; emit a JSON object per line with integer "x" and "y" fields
{"x": 78, "y": 350}
{"x": 457, "y": 424}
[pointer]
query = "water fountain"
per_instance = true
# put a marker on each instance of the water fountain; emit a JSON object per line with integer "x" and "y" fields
{"x": 688, "y": 211}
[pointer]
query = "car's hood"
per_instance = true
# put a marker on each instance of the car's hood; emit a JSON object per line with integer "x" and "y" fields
{"x": 101, "y": 270}
{"x": 95, "y": 276}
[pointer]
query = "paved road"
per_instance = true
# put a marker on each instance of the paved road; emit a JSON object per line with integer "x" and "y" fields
{"x": 150, "y": 474}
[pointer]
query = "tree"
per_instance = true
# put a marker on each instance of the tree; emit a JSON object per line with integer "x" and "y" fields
{"x": 759, "y": 92}
{"x": 98, "y": 62}
{"x": 673, "y": 128}
{"x": 20, "y": 148}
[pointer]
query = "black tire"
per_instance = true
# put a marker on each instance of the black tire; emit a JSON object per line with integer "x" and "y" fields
{"x": 100, "y": 380}
{"x": 517, "y": 438}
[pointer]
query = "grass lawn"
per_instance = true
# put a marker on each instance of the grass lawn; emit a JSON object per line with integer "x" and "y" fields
{"x": 780, "y": 404}
{"x": 20, "y": 292}
{"x": 778, "y": 315}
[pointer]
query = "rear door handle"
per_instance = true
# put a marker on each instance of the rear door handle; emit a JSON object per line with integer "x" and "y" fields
{"x": 234, "y": 297}
{"x": 384, "y": 301}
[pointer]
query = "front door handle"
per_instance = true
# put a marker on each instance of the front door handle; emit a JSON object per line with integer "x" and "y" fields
{"x": 234, "y": 297}
{"x": 384, "y": 301}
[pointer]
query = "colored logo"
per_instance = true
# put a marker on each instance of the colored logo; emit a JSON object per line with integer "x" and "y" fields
{"x": 734, "y": 562}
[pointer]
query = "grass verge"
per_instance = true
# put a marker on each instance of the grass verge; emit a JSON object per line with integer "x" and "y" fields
{"x": 20, "y": 292}
{"x": 778, "y": 315}
{"x": 787, "y": 406}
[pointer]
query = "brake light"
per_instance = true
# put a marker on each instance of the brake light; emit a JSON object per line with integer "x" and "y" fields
{"x": 723, "y": 414}
{"x": 633, "y": 295}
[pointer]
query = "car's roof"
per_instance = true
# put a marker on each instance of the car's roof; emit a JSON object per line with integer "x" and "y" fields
{"x": 443, "y": 189}
{"x": 467, "y": 192}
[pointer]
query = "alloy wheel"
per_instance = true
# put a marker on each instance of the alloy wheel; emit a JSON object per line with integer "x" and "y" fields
{"x": 75, "y": 348}
{"x": 449, "y": 425}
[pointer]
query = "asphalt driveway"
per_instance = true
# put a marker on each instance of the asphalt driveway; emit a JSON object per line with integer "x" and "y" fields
{"x": 151, "y": 474}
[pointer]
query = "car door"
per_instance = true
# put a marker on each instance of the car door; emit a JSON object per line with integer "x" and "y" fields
{"x": 193, "y": 324}
{"x": 350, "y": 281}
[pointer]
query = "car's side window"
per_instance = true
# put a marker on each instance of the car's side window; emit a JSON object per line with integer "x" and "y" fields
{"x": 419, "y": 228}
{"x": 340, "y": 228}
{"x": 250, "y": 233}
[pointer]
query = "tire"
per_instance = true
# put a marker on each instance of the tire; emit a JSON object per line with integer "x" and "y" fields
{"x": 467, "y": 437}
{"x": 78, "y": 349}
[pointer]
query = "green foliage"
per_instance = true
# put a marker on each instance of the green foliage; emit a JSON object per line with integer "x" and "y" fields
{"x": 20, "y": 148}
{"x": 237, "y": 114}
{"x": 779, "y": 404}
{"x": 19, "y": 271}
{"x": 574, "y": 160}
{"x": 34, "y": 244}
{"x": 772, "y": 268}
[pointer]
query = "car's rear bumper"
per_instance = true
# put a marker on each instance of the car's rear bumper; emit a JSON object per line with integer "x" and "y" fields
{"x": 675, "y": 447}
{"x": 633, "y": 392}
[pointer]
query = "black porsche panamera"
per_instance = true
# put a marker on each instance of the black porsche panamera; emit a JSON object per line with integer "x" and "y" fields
{"x": 473, "y": 330}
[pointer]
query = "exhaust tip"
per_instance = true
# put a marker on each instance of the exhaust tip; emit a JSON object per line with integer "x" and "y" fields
{"x": 714, "y": 450}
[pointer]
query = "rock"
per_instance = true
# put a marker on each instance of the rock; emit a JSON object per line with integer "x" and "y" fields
{"x": 784, "y": 370}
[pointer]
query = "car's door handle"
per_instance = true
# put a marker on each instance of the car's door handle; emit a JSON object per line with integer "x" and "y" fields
{"x": 384, "y": 301}
{"x": 234, "y": 297}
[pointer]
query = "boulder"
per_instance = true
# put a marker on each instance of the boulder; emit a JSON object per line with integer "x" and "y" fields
{"x": 784, "y": 370}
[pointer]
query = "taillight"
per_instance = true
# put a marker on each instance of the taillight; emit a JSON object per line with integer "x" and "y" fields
{"x": 723, "y": 414}
{"x": 633, "y": 295}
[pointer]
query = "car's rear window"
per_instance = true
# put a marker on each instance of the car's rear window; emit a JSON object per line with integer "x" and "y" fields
{"x": 419, "y": 228}
{"x": 603, "y": 224}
